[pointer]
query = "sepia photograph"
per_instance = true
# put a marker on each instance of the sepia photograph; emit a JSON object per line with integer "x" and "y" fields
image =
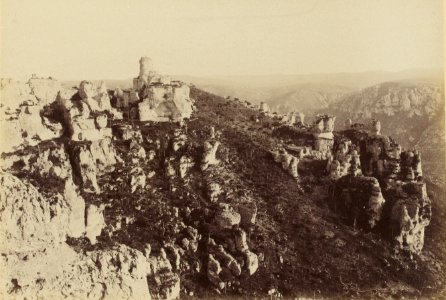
{"x": 211, "y": 149}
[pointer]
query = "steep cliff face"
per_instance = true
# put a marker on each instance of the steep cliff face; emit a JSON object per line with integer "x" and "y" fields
{"x": 412, "y": 113}
{"x": 392, "y": 98}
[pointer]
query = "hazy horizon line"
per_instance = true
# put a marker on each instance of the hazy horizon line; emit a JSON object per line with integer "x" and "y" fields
{"x": 433, "y": 70}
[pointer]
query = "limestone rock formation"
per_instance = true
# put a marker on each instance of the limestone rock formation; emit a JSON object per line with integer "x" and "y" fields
{"x": 410, "y": 214}
{"x": 359, "y": 200}
{"x": 247, "y": 209}
{"x": 23, "y": 123}
{"x": 76, "y": 209}
{"x": 323, "y": 133}
{"x": 28, "y": 219}
{"x": 214, "y": 191}
{"x": 227, "y": 217}
{"x": 213, "y": 271}
{"x": 161, "y": 99}
{"x": 92, "y": 159}
{"x": 288, "y": 162}
{"x": 185, "y": 164}
{"x": 210, "y": 150}
{"x": 137, "y": 179}
{"x": 94, "y": 222}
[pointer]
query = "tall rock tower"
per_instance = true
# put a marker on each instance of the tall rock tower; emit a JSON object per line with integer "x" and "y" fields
{"x": 145, "y": 66}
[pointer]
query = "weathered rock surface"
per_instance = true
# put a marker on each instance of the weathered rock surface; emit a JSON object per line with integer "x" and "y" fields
{"x": 76, "y": 208}
{"x": 92, "y": 159}
{"x": 359, "y": 199}
{"x": 410, "y": 214}
{"x": 210, "y": 150}
{"x": 29, "y": 221}
{"x": 94, "y": 222}
{"x": 60, "y": 272}
{"x": 227, "y": 217}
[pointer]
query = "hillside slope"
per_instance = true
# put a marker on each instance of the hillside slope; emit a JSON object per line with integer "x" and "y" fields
{"x": 191, "y": 214}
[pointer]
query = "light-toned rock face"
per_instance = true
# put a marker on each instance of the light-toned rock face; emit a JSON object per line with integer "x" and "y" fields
{"x": 21, "y": 122}
{"x": 185, "y": 164}
{"x": 410, "y": 215}
{"x": 87, "y": 90}
{"x": 288, "y": 162}
{"x": 390, "y": 98}
{"x": 93, "y": 159}
{"x": 213, "y": 271}
{"x": 210, "y": 150}
{"x": 49, "y": 162}
{"x": 27, "y": 128}
{"x": 252, "y": 262}
{"x": 118, "y": 273}
{"x": 94, "y": 223}
{"x": 76, "y": 210}
{"x": 27, "y": 223}
{"x": 165, "y": 102}
{"x": 137, "y": 179}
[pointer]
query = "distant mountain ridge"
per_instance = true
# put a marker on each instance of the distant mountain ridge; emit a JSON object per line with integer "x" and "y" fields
{"x": 412, "y": 112}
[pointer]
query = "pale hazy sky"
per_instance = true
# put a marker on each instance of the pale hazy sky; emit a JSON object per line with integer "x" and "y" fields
{"x": 104, "y": 39}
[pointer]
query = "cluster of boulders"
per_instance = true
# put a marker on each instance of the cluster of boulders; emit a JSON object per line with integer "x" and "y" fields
{"x": 227, "y": 262}
{"x": 392, "y": 192}
{"x": 288, "y": 162}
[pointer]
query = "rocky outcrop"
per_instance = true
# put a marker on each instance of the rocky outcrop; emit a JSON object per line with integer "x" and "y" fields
{"x": 406, "y": 210}
{"x": 359, "y": 200}
{"x": 76, "y": 208}
{"x": 161, "y": 99}
{"x": 213, "y": 191}
{"x": 323, "y": 133}
{"x": 247, "y": 209}
{"x": 288, "y": 162}
{"x": 213, "y": 272}
{"x": 227, "y": 217}
{"x": 29, "y": 221}
{"x": 185, "y": 164}
{"x": 210, "y": 150}
{"x": 410, "y": 214}
{"x": 22, "y": 121}
{"x": 92, "y": 159}
{"x": 120, "y": 272}
{"x": 137, "y": 179}
{"x": 94, "y": 222}
{"x": 391, "y": 98}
